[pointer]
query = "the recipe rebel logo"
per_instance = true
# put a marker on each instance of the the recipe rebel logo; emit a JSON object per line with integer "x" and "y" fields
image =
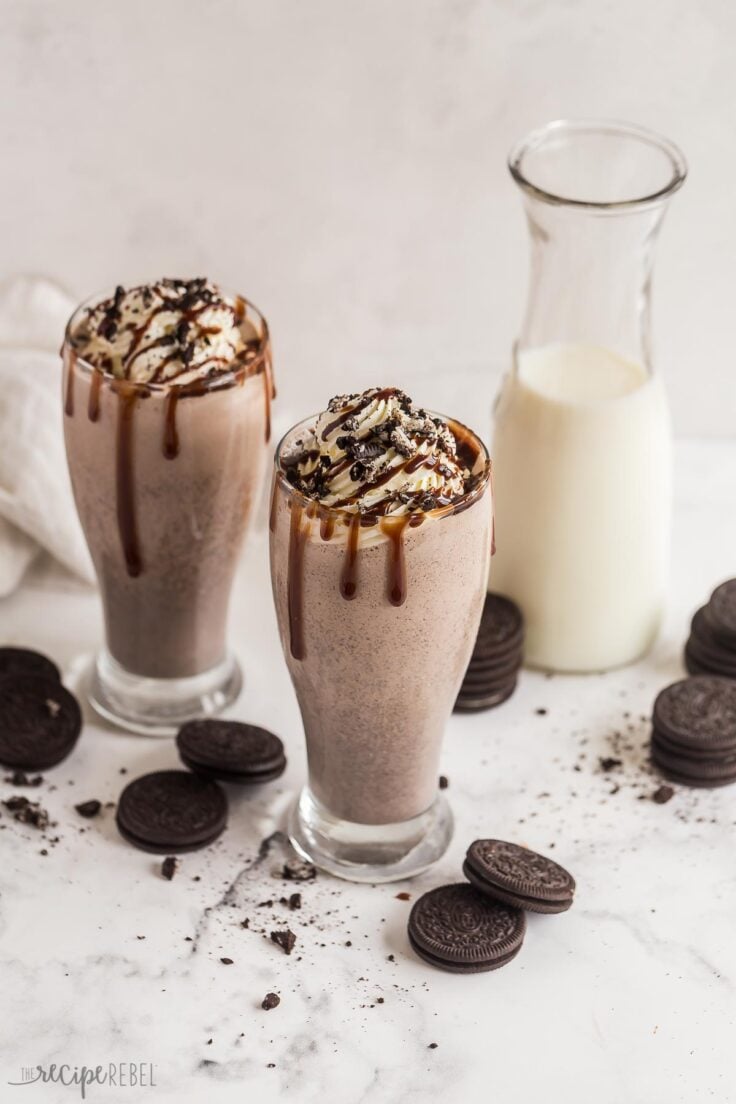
{"x": 119, "y": 1075}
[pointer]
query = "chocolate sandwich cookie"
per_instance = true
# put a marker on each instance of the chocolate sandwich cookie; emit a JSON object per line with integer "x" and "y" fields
{"x": 24, "y": 661}
{"x": 231, "y": 751}
{"x": 490, "y": 678}
{"x": 473, "y": 701}
{"x": 705, "y": 650}
{"x": 501, "y": 628}
{"x": 456, "y": 928}
{"x": 693, "y": 770}
{"x": 481, "y": 666}
{"x": 722, "y": 612}
{"x": 699, "y": 660}
{"x": 171, "y": 811}
{"x": 40, "y": 722}
{"x": 692, "y": 666}
{"x": 698, "y": 712}
{"x": 702, "y": 752}
{"x": 519, "y": 877}
{"x": 497, "y": 656}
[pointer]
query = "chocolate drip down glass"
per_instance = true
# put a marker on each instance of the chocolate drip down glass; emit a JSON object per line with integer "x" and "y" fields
{"x": 165, "y": 480}
{"x": 378, "y": 617}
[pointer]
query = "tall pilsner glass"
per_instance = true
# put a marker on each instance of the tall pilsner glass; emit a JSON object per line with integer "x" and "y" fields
{"x": 165, "y": 479}
{"x": 378, "y": 617}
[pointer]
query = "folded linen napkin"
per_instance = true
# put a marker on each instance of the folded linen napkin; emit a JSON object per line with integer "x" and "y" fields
{"x": 36, "y": 505}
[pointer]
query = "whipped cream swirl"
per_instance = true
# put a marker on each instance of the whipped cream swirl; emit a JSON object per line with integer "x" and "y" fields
{"x": 374, "y": 453}
{"x": 172, "y": 331}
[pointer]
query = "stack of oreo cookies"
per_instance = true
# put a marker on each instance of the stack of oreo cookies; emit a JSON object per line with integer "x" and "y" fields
{"x": 711, "y": 646}
{"x": 694, "y": 731}
{"x": 497, "y": 656}
{"x": 40, "y": 720}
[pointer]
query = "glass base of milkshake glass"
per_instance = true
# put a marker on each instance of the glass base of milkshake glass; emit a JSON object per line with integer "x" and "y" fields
{"x": 369, "y": 852}
{"x": 159, "y": 707}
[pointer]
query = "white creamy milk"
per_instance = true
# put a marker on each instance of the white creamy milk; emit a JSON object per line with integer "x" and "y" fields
{"x": 582, "y": 472}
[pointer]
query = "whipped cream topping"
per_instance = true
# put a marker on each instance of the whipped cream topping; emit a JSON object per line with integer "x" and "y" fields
{"x": 172, "y": 331}
{"x": 375, "y": 453}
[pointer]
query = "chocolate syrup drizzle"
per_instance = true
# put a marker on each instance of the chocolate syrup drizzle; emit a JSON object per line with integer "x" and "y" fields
{"x": 255, "y": 359}
{"x": 125, "y": 481}
{"x": 393, "y": 527}
{"x": 349, "y": 574}
{"x": 171, "y": 436}
{"x": 93, "y": 403}
{"x": 70, "y": 361}
{"x": 295, "y": 587}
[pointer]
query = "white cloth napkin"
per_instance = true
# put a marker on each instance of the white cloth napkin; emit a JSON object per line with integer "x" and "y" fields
{"x": 36, "y": 505}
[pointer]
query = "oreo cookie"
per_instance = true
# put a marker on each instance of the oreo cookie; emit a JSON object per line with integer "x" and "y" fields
{"x": 722, "y": 610}
{"x": 501, "y": 628}
{"x": 456, "y": 928}
{"x": 231, "y": 751}
{"x": 518, "y": 877}
{"x": 705, "y": 652}
{"x": 171, "y": 811}
{"x": 694, "y": 770}
{"x": 711, "y": 646}
{"x": 694, "y": 731}
{"x": 698, "y": 712}
{"x": 24, "y": 661}
{"x": 497, "y": 656}
{"x": 475, "y": 701}
{"x": 497, "y": 671}
{"x": 40, "y": 722}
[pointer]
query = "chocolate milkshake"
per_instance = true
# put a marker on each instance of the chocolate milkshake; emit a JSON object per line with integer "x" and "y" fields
{"x": 167, "y": 395}
{"x": 380, "y": 545}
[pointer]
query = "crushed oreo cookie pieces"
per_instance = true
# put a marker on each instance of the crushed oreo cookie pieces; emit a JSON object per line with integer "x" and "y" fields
{"x": 284, "y": 939}
{"x": 27, "y": 812}
{"x": 169, "y": 867}
{"x": 296, "y": 870}
{"x": 89, "y": 809}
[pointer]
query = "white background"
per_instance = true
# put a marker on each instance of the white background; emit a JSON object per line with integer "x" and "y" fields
{"x": 342, "y": 163}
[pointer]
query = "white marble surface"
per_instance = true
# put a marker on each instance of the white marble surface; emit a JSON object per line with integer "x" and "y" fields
{"x": 630, "y": 997}
{"x": 343, "y": 163}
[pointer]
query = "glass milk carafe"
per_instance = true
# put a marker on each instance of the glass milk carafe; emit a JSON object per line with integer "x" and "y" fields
{"x": 582, "y": 439}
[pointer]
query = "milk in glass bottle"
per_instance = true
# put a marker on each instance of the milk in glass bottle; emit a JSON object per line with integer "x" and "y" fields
{"x": 582, "y": 439}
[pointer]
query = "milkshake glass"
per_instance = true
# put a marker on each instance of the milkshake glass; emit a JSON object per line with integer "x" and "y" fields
{"x": 166, "y": 473}
{"x": 378, "y": 616}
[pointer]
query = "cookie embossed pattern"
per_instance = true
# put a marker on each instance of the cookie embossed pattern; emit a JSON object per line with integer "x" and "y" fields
{"x": 455, "y": 928}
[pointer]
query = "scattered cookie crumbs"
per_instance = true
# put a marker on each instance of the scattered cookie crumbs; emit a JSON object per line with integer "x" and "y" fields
{"x": 169, "y": 867}
{"x": 271, "y": 1000}
{"x": 27, "y": 812}
{"x": 89, "y": 809}
{"x": 284, "y": 939}
{"x": 20, "y": 778}
{"x": 295, "y": 870}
